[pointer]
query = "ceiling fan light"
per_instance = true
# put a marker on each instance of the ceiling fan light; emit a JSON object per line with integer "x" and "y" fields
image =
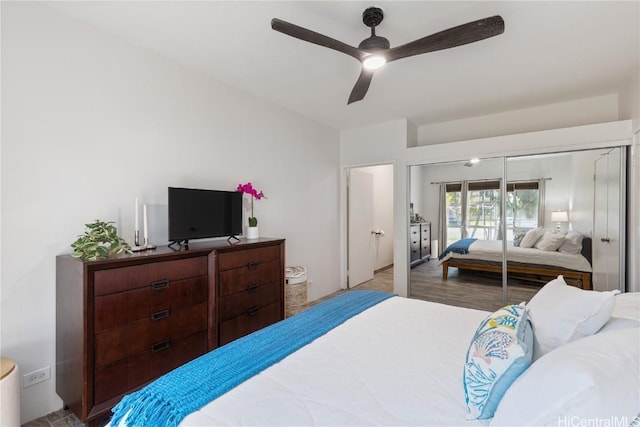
{"x": 373, "y": 62}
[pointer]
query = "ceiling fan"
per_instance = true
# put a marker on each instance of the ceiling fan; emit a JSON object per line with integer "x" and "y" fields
{"x": 375, "y": 51}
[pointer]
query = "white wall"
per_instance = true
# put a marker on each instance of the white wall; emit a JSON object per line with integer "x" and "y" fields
{"x": 366, "y": 145}
{"x": 629, "y": 100}
{"x": 630, "y": 109}
{"x": 383, "y": 143}
{"x": 633, "y": 220}
{"x": 417, "y": 189}
{"x": 90, "y": 123}
{"x": 598, "y": 109}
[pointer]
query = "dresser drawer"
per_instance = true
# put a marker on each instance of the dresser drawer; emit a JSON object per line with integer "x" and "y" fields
{"x": 149, "y": 334}
{"x": 124, "y": 321}
{"x": 254, "y": 296}
{"x": 250, "y": 258}
{"x": 122, "y": 308}
{"x": 243, "y": 278}
{"x": 155, "y": 274}
{"x": 251, "y": 320}
{"x": 133, "y": 371}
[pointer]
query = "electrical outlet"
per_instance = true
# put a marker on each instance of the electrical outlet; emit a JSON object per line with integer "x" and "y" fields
{"x": 35, "y": 377}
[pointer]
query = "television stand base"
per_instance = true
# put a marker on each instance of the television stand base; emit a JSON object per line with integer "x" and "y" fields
{"x": 142, "y": 248}
{"x": 181, "y": 244}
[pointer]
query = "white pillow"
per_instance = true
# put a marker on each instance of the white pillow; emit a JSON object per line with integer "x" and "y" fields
{"x": 595, "y": 378}
{"x": 627, "y": 305}
{"x": 572, "y": 243}
{"x": 550, "y": 241}
{"x": 499, "y": 352}
{"x": 626, "y": 312}
{"x": 531, "y": 237}
{"x": 560, "y": 313}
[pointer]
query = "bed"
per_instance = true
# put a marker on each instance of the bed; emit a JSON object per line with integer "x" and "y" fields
{"x": 378, "y": 368}
{"x": 529, "y": 263}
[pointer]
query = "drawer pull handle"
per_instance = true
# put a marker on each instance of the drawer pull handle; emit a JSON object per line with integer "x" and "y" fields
{"x": 252, "y": 265}
{"x": 160, "y": 284}
{"x": 252, "y": 311}
{"x": 162, "y": 345}
{"x": 160, "y": 314}
{"x": 252, "y": 288}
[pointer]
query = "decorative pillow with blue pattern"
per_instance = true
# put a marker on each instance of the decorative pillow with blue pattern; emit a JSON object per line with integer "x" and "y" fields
{"x": 500, "y": 351}
{"x": 518, "y": 235}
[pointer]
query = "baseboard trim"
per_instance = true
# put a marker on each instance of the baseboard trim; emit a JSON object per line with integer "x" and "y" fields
{"x": 383, "y": 268}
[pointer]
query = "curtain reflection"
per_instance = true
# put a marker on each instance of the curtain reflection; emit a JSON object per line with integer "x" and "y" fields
{"x": 464, "y": 202}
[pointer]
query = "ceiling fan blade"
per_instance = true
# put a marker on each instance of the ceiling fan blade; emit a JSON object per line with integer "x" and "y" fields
{"x": 452, "y": 37}
{"x": 362, "y": 86}
{"x": 316, "y": 38}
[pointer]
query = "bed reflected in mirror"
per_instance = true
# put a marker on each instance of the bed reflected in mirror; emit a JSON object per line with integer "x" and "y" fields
{"x": 462, "y": 203}
{"x": 579, "y": 219}
{"x": 557, "y": 220}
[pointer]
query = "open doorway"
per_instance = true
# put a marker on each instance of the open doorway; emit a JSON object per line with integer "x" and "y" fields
{"x": 370, "y": 226}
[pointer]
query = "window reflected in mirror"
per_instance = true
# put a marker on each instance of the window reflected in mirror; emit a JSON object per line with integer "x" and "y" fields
{"x": 462, "y": 203}
{"x": 557, "y": 220}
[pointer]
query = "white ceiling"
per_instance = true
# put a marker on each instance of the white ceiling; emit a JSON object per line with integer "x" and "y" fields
{"x": 550, "y": 52}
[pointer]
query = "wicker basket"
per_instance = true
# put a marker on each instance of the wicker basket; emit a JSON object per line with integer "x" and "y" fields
{"x": 295, "y": 294}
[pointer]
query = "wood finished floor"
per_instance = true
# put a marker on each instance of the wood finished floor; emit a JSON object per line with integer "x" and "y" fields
{"x": 60, "y": 418}
{"x": 482, "y": 291}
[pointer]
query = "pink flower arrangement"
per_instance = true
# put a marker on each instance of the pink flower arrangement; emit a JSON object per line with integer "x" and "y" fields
{"x": 255, "y": 194}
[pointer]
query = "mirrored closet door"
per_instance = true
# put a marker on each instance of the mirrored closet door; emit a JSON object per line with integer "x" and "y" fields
{"x": 462, "y": 203}
{"x": 500, "y": 239}
{"x": 577, "y": 231}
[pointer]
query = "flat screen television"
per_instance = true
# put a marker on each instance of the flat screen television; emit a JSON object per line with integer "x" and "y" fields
{"x": 202, "y": 214}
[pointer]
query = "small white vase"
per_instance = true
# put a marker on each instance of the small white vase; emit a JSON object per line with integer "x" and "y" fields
{"x": 253, "y": 233}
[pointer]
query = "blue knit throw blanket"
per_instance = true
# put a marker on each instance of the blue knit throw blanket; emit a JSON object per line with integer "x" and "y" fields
{"x": 459, "y": 247}
{"x": 170, "y": 398}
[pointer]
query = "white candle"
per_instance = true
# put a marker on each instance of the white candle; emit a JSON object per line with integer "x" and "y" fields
{"x": 144, "y": 222}
{"x": 137, "y": 219}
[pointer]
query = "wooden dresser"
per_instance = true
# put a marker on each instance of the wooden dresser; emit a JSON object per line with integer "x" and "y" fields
{"x": 124, "y": 321}
{"x": 420, "y": 238}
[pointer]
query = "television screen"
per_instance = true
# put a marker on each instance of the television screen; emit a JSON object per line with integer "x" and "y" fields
{"x": 201, "y": 214}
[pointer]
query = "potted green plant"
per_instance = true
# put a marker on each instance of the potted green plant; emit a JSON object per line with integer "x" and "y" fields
{"x": 99, "y": 241}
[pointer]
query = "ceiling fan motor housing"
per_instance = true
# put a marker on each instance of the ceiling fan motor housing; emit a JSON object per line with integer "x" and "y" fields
{"x": 374, "y": 43}
{"x": 372, "y": 16}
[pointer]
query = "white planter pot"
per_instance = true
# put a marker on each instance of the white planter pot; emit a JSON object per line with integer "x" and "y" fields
{"x": 253, "y": 233}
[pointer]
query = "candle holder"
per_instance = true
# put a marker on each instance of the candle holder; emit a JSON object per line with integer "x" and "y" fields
{"x": 136, "y": 240}
{"x": 146, "y": 246}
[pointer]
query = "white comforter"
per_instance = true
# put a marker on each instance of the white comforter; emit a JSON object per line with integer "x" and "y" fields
{"x": 398, "y": 363}
{"x": 491, "y": 250}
